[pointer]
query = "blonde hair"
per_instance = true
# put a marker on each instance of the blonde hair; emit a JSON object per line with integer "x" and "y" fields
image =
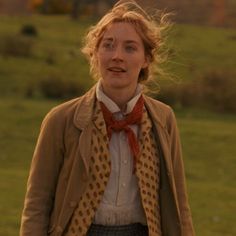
{"x": 150, "y": 29}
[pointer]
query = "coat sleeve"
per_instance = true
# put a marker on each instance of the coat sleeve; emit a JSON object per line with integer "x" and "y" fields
{"x": 179, "y": 176}
{"x": 42, "y": 181}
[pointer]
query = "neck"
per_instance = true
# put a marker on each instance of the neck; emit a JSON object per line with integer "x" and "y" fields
{"x": 120, "y": 96}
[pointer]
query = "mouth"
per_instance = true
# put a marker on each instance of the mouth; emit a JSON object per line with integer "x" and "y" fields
{"x": 117, "y": 69}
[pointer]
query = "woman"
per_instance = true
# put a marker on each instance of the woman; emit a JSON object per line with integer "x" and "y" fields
{"x": 109, "y": 163}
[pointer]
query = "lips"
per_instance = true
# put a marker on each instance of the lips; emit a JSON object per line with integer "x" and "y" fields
{"x": 116, "y": 69}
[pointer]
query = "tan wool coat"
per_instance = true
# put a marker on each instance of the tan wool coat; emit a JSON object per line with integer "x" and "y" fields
{"x": 59, "y": 169}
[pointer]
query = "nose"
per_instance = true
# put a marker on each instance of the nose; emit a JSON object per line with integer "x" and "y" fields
{"x": 117, "y": 54}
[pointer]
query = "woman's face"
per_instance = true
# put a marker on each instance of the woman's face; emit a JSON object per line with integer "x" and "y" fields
{"x": 121, "y": 57}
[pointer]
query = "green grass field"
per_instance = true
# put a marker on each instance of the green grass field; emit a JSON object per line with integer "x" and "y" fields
{"x": 208, "y": 138}
{"x": 194, "y": 50}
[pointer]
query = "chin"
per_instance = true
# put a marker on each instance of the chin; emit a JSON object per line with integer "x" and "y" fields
{"x": 119, "y": 83}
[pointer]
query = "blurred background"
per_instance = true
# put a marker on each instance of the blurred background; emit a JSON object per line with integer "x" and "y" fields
{"x": 41, "y": 66}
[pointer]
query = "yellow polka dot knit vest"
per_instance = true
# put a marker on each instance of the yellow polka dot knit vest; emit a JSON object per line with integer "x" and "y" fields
{"x": 147, "y": 171}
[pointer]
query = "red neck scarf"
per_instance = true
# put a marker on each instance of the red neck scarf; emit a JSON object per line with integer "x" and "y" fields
{"x": 132, "y": 118}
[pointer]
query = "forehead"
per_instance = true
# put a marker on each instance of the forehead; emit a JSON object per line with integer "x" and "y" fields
{"x": 122, "y": 31}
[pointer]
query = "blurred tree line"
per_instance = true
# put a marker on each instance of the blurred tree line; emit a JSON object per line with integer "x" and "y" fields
{"x": 76, "y": 8}
{"x": 220, "y": 13}
{"x": 211, "y": 12}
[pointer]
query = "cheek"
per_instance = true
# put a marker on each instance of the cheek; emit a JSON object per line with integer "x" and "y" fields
{"x": 138, "y": 64}
{"x": 102, "y": 60}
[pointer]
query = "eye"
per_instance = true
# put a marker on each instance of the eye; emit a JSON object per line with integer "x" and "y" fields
{"x": 108, "y": 45}
{"x": 130, "y": 48}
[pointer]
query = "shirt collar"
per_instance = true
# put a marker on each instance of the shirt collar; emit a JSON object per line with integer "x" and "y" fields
{"x": 111, "y": 105}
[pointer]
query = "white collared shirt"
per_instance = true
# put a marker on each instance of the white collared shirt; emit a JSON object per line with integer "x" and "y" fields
{"x": 121, "y": 202}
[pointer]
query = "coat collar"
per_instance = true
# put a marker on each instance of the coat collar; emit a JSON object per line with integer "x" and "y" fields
{"x": 85, "y": 109}
{"x": 156, "y": 110}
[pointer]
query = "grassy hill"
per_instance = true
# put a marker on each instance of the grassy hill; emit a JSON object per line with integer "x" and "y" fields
{"x": 208, "y": 139}
{"x": 56, "y": 52}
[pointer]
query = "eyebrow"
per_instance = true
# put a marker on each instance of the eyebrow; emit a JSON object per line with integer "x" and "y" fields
{"x": 126, "y": 41}
{"x": 131, "y": 41}
{"x": 108, "y": 39}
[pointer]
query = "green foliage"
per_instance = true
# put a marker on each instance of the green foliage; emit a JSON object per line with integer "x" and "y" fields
{"x": 214, "y": 90}
{"x": 198, "y": 49}
{"x": 29, "y": 30}
{"x": 217, "y": 90}
{"x": 53, "y": 87}
{"x": 194, "y": 51}
{"x": 55, "y": 51}
{"x": 52, "y": 6}
{"x": 16, "y": 46}
{"x": 59, "y": 6}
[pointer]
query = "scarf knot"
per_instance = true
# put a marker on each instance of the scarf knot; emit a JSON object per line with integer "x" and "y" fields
{"x": 134, "y": 117}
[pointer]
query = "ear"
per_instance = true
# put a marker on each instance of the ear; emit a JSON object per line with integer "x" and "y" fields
{"x": 145, "y": 63}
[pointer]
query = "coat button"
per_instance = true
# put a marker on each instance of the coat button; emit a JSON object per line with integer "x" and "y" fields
{"x": 72, "y": 204}
{"x": 58, "y": 229}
